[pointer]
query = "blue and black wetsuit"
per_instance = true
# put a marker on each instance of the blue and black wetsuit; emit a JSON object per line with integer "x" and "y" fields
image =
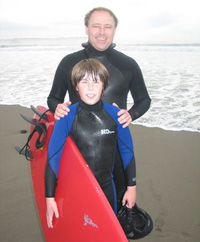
{"x": 95, "y": 130}
{"x": 124, "y": 76}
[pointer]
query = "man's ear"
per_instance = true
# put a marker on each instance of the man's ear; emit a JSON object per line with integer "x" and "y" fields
{"x": 86, "y": 30}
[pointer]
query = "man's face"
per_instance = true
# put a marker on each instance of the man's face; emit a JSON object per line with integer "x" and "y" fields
{"x": 101, "y": 30}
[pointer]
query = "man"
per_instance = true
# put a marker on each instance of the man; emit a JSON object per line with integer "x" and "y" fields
{"x": 125, "y": 75}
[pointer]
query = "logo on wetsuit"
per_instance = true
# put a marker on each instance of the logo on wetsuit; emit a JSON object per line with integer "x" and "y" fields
{"x": 107, "y": 131}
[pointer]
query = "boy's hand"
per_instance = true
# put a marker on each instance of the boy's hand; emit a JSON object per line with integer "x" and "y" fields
{"x": 51, "y": 210}
{"x": 129, "y": 198}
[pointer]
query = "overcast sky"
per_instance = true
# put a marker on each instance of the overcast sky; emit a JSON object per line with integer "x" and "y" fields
{"x": 140, "y": 21}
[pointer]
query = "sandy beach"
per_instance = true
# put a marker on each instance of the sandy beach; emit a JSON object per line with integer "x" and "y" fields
{"x": 168, "y": 181}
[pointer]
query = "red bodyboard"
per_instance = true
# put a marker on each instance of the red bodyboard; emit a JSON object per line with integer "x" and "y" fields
{"x": 84, "y": 212}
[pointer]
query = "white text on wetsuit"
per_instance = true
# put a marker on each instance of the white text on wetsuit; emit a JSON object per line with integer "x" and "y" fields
{"x": 107, "y": 131}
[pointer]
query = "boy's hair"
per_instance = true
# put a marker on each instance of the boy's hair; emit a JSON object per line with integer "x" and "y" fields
{"x": 88, "y": 15}
{"x": 91, "y": 67}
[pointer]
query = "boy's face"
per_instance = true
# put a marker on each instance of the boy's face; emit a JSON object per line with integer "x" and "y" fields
{"x": 90, "y": 90}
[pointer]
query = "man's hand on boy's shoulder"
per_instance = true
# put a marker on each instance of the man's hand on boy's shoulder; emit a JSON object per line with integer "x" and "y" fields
{"x": 62, "y": 110}
{"x": 124, "y": 116}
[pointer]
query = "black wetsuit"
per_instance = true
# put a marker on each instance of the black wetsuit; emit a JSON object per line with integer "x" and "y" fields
{"x": 124, "y": 76}
{"x": 95, "y": 130}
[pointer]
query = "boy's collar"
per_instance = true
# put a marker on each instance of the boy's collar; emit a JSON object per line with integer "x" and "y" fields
{"x": 95, "y": 107}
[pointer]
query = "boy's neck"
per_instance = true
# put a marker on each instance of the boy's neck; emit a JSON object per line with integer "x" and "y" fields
{"x": 93, "y": 107}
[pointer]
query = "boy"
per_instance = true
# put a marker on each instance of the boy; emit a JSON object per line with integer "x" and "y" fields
{"x": 93, "y": 126}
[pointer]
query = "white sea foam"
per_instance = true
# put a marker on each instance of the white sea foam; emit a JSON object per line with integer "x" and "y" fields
{"x": 171, "y": 73}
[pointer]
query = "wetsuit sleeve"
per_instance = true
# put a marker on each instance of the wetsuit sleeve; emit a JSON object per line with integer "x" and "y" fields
{"x": 50, "y": 181}
{"x": 55, "y": 149}
{"x": 139, "y": 93}
{"x": 125, "y": 145}
{"x": 56, "y": 144}
{"x": 59, "y": 87}
{"x": 133, "y": 75}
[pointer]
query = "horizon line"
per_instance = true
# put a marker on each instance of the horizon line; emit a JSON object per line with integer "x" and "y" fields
{"x": 68, "y": 38}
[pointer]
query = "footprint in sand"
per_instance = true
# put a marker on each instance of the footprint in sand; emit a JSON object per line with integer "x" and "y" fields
{"x": 159, "y": 222}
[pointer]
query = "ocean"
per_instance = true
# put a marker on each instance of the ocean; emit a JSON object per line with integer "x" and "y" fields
{"x": 171, "y": 73}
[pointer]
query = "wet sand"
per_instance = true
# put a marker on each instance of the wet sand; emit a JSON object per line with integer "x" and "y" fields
{"x": 168, "y": 181}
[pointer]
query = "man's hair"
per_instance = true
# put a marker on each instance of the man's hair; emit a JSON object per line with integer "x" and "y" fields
{"x": 88, "y": 15}
{"x": 90, "y": 67}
